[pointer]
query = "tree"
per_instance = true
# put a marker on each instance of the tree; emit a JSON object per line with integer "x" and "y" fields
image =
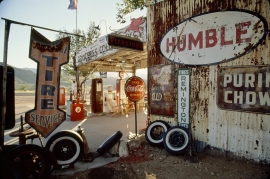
{"x": 76, "y": 44}
{"x": 128, "y": 6}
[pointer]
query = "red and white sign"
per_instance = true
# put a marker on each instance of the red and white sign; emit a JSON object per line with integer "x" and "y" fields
{"x": 135, "y": 88}
{"x": 214, "y": 37}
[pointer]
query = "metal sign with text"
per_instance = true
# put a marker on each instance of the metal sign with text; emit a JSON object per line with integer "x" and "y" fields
{"x": 184, "y": 97}
{"x": 214, "y": 37}
{"x": 244, "y": 89}
{"x": 50, "y": 56}
{"x": 161, "y": 90}
{"x": 125, "y": 42}
{"x": 101, "y": 48}
{"x": 135, "y": 88}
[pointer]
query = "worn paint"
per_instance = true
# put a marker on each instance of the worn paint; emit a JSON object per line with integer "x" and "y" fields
{"x": 215, "y": 37}
{"x": 161, "y": 91}
{"x": 244, "y": 89}
{"x": 234, "y": 133}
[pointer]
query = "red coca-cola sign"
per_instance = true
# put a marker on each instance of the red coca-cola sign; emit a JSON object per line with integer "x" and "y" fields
{"x": 135, "y": 88}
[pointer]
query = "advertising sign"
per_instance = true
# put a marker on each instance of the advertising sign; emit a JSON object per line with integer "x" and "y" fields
{"x": 125, "y": 42}
{"x": 183, "y": 97}
{"x": 50, "y": 56}
{"x": 161, "y": 90}
{"x": 213, "y": 38}
{"x": 103, "y": 74}
{"x": 101, "y": 48}
{"x": 135, "y": 88}
{"x": 244, "y": 89}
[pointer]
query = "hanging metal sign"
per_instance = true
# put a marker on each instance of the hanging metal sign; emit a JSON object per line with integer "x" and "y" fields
{"x": 125, "y": 42}
{"x": 50, "y": 56}
{"x": 135, "y": 88}
{"x": 214, "y": 37}
{"x": 161, "y": 90}
{"x": 244, "y": 89}
{"x": 183, "y": 97}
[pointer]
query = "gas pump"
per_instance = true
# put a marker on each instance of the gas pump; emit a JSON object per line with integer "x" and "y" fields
{"x": 120, "y": 91}
{"x": 97, "y": 96}
{"x": 108, "y": 94}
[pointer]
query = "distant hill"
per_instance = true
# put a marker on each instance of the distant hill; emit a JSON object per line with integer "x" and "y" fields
{"x": 25, "y": 78}
{"x": 34, "y": 70}
{"x": 22, "y": 75}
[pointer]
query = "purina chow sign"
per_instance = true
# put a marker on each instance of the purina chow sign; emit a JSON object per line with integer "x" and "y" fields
{"x": 244, "y": 89}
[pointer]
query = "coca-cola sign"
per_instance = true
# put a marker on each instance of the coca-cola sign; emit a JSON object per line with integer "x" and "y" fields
{"x": 135, "y": 88}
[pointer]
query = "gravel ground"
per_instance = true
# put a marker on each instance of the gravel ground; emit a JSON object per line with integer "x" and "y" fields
{"x": 156, "y": 163}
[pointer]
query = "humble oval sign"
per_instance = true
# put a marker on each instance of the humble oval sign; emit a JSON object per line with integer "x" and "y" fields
{"x": 135, "y": 88}
{"x": 214, "y": 37}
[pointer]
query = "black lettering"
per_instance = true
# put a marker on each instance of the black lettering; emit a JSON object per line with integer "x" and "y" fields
{"x": 47, "y": 90}
{"x": 48, "y": 75}
{"x": 46, "y": 104}
{"x": 49, "y": 61}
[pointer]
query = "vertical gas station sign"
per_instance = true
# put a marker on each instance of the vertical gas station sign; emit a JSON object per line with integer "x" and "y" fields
{"x": 183, "y": 97}
{"x": 50, "y": 56}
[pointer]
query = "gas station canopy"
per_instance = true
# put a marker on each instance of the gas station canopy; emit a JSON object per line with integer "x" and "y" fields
{"x": 123, "y": 50}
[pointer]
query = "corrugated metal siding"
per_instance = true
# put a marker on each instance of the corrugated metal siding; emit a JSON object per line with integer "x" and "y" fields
{"x": 238, "y": 134}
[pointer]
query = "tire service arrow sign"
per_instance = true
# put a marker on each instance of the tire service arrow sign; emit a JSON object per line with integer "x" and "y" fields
{"x": 135, "y": 88}
{"x": 50, "y": 56}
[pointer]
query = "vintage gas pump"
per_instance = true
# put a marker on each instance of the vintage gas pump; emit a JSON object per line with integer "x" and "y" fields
{"x": 97, "y": 96}
{"x": 120, "y": 88}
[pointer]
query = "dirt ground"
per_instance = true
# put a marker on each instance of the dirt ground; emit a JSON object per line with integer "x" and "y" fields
{"x": 155, "y": 163}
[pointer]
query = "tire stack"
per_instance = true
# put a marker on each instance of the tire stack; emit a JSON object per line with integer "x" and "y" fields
{"x": 174, "y": 139}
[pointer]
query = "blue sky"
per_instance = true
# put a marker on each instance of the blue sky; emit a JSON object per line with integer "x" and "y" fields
{"x": 53, "y": 14}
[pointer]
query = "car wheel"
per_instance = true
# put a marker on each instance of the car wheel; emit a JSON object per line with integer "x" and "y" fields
{"x": 155, "y": 132}
{"x": 66, "y": 146}
{"x": 176, "y": 140}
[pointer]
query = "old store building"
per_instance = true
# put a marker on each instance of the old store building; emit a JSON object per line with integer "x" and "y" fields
{"x": 209, "y": 66}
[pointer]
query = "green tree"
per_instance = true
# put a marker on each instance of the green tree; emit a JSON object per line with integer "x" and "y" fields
{"x": 76, "y": 44}
{"x": 128, "y": 6}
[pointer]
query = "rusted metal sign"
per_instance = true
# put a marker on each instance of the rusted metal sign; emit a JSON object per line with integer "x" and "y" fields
{"x": 161, "y": 90}
{"x": 125, "y": 42}
{"x": 244, "y": 89}
{"x": 46, "y": 116}
{"x": 214, "y": 37}
{"x": 183, "y": 97}
{"x": 135, "y": 88}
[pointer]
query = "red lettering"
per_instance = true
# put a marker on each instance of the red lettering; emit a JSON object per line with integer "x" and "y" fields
{"x": 240, "y": 32}
{"x": 222, "y": 38}
{"x": 183, "y": 42}
{"x": 193, "y": 41}
{"x": 211, "y": 38}
{"x": 168, "y": 44}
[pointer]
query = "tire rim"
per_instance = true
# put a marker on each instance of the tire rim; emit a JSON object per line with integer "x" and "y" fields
{"x": 176, "y": 139}
{"x": 66, "y": 149}
{"x": 31, "y": 163}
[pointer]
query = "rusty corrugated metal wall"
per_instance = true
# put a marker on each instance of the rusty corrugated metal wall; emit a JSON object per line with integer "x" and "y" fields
{"x": 233, "y": 133}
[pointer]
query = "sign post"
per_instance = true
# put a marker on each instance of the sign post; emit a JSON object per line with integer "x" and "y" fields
{"x": 135, "y": 90}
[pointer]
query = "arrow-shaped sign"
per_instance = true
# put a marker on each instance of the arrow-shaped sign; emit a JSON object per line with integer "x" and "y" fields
{"x": 50, "y": 56}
